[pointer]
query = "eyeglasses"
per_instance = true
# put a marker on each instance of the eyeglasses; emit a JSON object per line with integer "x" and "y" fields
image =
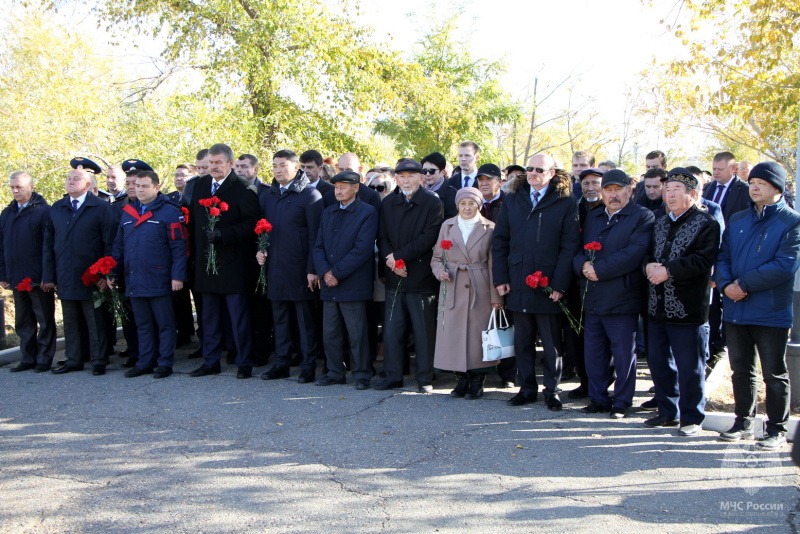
{"x": 430, "y": 171}
{"x": 378, "y": 188}
{"x": 537, "y": 169}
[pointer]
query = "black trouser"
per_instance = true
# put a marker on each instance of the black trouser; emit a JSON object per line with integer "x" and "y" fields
{"x": 35, "y": 323}
{"x": 526, "y": 327}
{"x": 343, "y": 321}
{"x": 417, "y": 310}
{"x": 96, "y": 339}
{"x": 301, "y": 310}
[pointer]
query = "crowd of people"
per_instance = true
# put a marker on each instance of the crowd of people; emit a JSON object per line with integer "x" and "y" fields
{"x": 680, "y": 266}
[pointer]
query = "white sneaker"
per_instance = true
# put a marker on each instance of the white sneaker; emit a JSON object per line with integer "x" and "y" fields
{"x": 689, "y": 430}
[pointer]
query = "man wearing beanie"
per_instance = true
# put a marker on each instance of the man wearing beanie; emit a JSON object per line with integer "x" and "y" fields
{"x": 755, "y": 273}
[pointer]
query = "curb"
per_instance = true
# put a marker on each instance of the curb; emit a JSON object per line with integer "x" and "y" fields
{"x": 12, "y": 355}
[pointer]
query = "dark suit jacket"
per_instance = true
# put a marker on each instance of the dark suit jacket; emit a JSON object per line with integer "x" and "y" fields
{"x": 236, "y": 250}
{"x": 457, "y": 181}
{"x": 74, "y": 241}
{"x": 736, "y": 199}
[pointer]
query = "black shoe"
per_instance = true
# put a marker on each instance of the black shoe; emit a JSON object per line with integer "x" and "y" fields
{"x": 244, "y": 372}
{"x": 660, "y": 420}
{"x": 554, "y": 403}
{"x": 205, "y": 370}
{"x": 162, "y": 372}
{"x": 618, "y": 413}
{"x": 652, "y": 389}
{"x": 275, "y": 372}
{"x": 98, "y": 370}
{"x": 594, "y": 407}
{"x": 22, "y": 367}
{"x": 580, "y": 392}
{"x": 475, "y": 390}
{"x": 65, "y": 369}
{"x": 385, "y": 384}
{"x": 328, "y": 380}
{"x": 41, "y": 368}
{"x": 568, "y": 375}
{"x": 61, "y": 362}
{"x": 306, "y": 376}
{"x": 462, "y": 384}
{"x": 362, "y": 384}
{"x": 741, "y": 429}
{"x": 522, "y": 398}
{"x": 130, "y": 363}
{"x": 424, "y": 388}
{"x": 649, "y": 406}
{"x": 138, "y": 371}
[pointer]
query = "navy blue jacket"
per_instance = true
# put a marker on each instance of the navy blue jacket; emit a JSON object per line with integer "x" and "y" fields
{"x": 295, "y": 219}
{"x": 345, "y": 246}
{"x": 763, "y": 254}
{"x": 22, "y": 239}
{"x": 73, "y": 242}
{"x": 527, "y": 239}
{"x": 151, "y": 248}
{"x": 621, "y": 285}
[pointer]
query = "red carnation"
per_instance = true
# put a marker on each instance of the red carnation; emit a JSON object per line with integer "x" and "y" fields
{"x": 185, "y": 212}
{"x": 263, "y": 226}
{"x": 205, "y": 202}
{"x": 446, "y": 245}
{"x": 215, "y": 200}
{"x": 544, "y": 281}
{"x": 532, "y": 280}
{"x": 223, "y": 206}
{"x": 594, "y": 245}
{"x": 25, "y": 285}
{"x": 400, "y": 264}
{"x": 214, "y": 212}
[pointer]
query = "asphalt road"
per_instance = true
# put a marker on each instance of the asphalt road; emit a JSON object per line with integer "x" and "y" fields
{"x": 107, "y": 454}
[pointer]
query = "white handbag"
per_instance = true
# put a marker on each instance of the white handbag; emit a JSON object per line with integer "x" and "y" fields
{"x": 498, "y": 338}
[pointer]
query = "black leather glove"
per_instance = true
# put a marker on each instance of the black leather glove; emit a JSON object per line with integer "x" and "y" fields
{"x": 213, "y": 236}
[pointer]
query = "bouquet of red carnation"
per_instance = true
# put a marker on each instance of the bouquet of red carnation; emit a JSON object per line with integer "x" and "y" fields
{"x": 592, "y": 248}
{"x": 445, "y": 245}
{"x": 538, "y": 280}
{"x": 26, "y": 285}
{"x": 214, "y": 208}
{"x": 110, "y": 295}
{"x": 263, "y": 228}
{"x": 399, "y": 264}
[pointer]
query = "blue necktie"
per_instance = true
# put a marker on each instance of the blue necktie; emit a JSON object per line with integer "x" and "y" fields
{"x": 466, "y": 181}
{"x": 718, "y": 196}
{"x": 74, "y": 204}
{"x": 535, "y": 198}
{"x": 214, "y": 187}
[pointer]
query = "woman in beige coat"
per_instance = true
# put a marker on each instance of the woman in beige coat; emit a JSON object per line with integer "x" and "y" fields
{"x": 466, "y": 304}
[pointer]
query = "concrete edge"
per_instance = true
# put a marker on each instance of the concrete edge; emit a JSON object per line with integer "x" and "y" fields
{"x": 12, "y": 355}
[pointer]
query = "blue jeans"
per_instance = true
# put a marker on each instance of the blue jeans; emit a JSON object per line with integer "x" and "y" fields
{"x": 743, "y": 340}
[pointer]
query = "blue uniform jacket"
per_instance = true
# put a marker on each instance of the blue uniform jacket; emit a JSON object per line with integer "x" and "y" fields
{"x": 21, "y": 240}
{"x": 345, "y": 246}
{"x": 74, "y": 241}
{"x": 621, "y": 286}
{"x": 763, "y": 254}
{"x": 295, "y": 219}
{"x": 151, "y": 248}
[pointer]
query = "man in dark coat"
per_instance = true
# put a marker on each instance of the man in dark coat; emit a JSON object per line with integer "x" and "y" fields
{"x": 22, "y": 226}
{"x": 465, "y": 174}
{"x": 488, "y": 182}
{"x": 731, "y": 193}
{"x": 311, "y": 165}
{"x": 151, "y": 250}
{"x": 294, "y": 210}
{"x": 410, "y": 221}
{"x": 613, "y": 287}
{"x": 79, "y": 232}
{"x": 684, "y": 247}
{"x": 434, "y": 180}
{"x": 343, "y": 257}
{"x": 350, "y": 162}
{"x": 228, "y": 289}
{"x": 537, "y": 230}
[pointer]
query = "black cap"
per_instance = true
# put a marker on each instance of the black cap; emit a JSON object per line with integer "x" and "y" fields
{"x": 85, "y": 164}
{"x": 347, "y": 177}
{"x": 512, "y": 168}
{"x": 682, "y": 175}
{"x": 489, "y": 169}
{"x": 615, "y": 177}
{"x": 135, "y": 165}
{"x": 770, "y": 172}
{"x": 408, "y": 165}
{"x": 591, "y": 172}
